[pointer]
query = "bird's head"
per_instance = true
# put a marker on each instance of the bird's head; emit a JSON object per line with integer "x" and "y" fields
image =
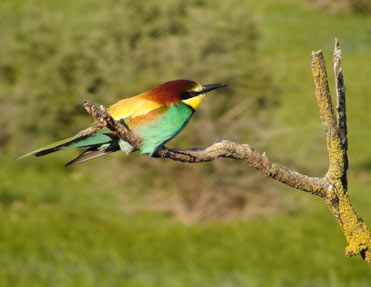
{"x": 189, "y": 92}
{"x": 194, "y": 95}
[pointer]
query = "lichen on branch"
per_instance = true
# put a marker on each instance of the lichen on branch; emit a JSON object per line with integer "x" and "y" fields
{"x": 337, "y": 199}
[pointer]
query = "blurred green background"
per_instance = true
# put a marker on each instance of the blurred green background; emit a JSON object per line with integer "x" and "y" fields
{"x": 137, "y": 221}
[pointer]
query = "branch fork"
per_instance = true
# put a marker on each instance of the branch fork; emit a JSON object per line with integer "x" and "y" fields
{"x": 332, "y": 187}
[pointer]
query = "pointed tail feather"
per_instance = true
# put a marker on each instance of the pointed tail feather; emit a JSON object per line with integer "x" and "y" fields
{"x": 78, "y": 140}
{"x": 92, "y": 153}
{"x": 52, "y": 147}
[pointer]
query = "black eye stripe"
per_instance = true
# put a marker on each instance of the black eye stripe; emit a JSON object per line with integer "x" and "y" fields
{"x": 188, "y": 95}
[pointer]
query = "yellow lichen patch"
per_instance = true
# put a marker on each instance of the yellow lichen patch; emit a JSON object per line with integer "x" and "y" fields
{"x": 327, "y": 116}
{"x": 336, "y": 157}
{"x": 316, "y": 189}
{"x": 368, "y": 256}
{"x": 356, "y": 232}
{"x": 273, "y": 170}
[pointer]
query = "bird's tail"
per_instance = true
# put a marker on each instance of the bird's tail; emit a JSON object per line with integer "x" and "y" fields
{"x": 98, "y": 144}
{"x": 94, "y": 152}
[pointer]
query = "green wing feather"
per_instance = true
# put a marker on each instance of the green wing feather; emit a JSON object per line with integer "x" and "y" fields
{"x": 50, "y": 146}
{"x": 79, "y": 141}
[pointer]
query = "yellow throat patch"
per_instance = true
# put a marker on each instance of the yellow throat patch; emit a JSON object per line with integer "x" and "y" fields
{"x": 195, "y": 101}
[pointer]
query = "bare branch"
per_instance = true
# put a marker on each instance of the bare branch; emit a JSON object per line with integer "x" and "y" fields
{"x": 355, "y": 230}
{"x": 327, "y": 115}
{"x": 341, "y": 108}
{"x": 226, "y": 149}
{"x": 104, "y": 119}
{"x": 91, "y": 130}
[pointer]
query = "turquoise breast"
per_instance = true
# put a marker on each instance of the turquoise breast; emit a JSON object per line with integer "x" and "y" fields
{"x": 163, "y": 129}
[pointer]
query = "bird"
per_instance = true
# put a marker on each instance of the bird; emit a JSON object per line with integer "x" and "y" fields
{"x": 156, "y": 116}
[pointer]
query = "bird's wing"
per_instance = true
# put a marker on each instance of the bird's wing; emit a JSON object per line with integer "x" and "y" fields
{"x": 133, "y": 107}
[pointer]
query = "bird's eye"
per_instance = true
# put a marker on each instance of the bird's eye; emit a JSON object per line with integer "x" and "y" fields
{"x": 192, "y": 94}
{"x": 188, "y": 95}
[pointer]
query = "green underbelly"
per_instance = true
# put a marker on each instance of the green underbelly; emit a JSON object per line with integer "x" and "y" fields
{"x": 164, "y": 128}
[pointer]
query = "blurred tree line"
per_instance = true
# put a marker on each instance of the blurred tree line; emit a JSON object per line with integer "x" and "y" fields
{"x": 358, "y": 6}
{"x": 50, "y": 62}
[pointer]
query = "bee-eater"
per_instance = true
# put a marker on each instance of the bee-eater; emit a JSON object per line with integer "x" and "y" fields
{"x": 156, "y": 116}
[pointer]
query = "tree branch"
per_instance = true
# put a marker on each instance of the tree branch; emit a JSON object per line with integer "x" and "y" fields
{"x": 226, "y": 149}
{"x": 341, "y": 109}
{"x": 327, "y": 115}
{"x": 355, "y": 230}
{"x": 332, "y": 187}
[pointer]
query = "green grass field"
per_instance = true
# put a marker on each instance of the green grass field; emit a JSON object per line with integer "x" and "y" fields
{"x": 57, "y": 229}
{"x": 71, "y": 227}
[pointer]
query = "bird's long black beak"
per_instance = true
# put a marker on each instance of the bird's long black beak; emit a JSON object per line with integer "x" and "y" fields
{"x": 210, "y": 87}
